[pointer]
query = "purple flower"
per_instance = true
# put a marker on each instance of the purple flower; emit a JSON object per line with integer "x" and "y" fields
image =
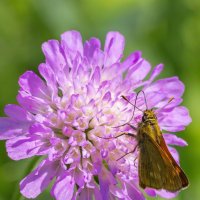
{"x": 64, "y": 116}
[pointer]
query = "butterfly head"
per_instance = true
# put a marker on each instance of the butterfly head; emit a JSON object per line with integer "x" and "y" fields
{"x": 149, "y": 115}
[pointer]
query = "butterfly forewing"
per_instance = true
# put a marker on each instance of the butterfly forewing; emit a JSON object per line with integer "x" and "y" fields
{"x": 156, "y": 168}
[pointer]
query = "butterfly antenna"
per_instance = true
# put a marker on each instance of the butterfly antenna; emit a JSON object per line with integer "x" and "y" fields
{"x": 131, "y": 103}
{"x": 169, "y": 101}
{"x": 113, "y": 137}
{"x": 134, "y": 105}
{"x": 145, "y": 99}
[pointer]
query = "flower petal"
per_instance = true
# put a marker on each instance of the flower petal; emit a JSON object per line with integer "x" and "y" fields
{"x": 131, "y": 60}
{"x": 133, "y": 192}
{"x": 24, "y": 147}
{"x": 10, "y": 128}
{"x": 175, "y": 119}
{"x": 153, "y": 99}
{"x": 174, "y": 153}
{"x": 105, "y": 179}
{"x": 167, "y": 195}
{"x": 16, "y": 112}
{"x": 111, "y": 72}
{"x": 36, "y": 142}
{"x": 138, "y": 71}
{"x": 97, "y": 194}
{"x": 96, "y": 76}
{"x": 71, "y": 42}
{"x": 171, "y": 87}
{"x": 156, "y": 71}
{"x": 53, "y": 54}
{"x": 49, "y": 76}
{"x": 172, "y": 139}
{"x": 114, "y": 47}
{"x": 93, "y": 53}
{"x": 86, "y": 194}
{"x": 165, "y": 103}
{"x": 150, "y": 192}
{"x": 32, "y": 185}
{"x": 32, "y": 104}
{"x": 63, "y": 188}
{"x": 33, "y": 85}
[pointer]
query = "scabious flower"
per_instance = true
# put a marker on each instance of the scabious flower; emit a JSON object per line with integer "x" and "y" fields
{"x": 65, "y": 114}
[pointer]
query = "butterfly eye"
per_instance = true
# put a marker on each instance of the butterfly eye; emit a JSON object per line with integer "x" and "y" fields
{"x": 144, "y": 117}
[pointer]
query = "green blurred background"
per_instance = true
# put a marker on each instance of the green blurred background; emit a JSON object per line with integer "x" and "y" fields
{"x": 165, "y": 31}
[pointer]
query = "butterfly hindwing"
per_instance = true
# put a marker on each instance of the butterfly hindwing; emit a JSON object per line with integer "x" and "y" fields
{"x": 176, "y": 166}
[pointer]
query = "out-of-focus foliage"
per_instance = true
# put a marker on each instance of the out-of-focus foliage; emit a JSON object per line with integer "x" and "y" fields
{"x": 165, "y": 31}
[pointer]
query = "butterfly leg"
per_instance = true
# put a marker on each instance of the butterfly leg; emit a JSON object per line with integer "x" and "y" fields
{"x": 134, "y": 162}
{"x": 133, "y": 127}
{"x": 128, "y": 152}
{"x": 129, "y": 134}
